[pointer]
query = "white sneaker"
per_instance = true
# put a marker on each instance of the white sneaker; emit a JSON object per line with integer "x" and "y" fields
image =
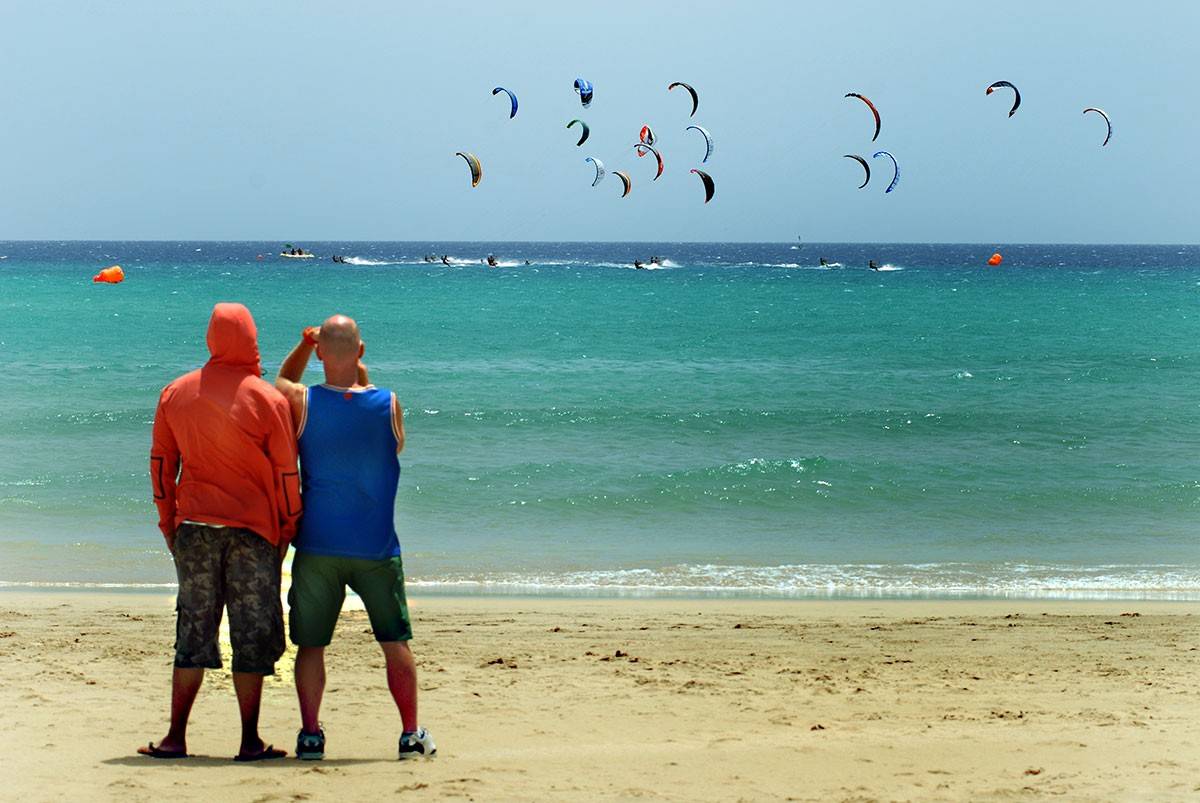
{"x": 419, "y": 743}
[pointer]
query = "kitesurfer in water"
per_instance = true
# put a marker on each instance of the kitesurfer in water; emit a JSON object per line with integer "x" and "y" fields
{"x": 824, "y": 263}
{"x": 445, "y": 259}
{"x": 637, "y": 263}
{"x": 491, "y": 261}
{"x": 871, "y": 264}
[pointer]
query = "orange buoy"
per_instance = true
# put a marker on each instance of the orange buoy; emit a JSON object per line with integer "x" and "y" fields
{"x": 996, "y": 259}
{"x": 110, "y": 275}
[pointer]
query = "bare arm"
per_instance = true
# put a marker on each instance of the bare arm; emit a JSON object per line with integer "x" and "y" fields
{"x": 292, "y": 370}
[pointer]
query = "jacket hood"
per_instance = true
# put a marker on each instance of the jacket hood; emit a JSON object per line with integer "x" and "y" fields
{"x": 233, "y": 337}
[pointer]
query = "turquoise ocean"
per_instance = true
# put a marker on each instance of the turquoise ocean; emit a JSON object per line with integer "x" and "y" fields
{"x": 738, "y": 422}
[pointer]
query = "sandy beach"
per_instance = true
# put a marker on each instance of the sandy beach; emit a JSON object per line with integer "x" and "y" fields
{"x": 541, "y": 699}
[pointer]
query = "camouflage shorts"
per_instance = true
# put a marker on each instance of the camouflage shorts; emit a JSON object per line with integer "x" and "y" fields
{"x": 227, "y": 566}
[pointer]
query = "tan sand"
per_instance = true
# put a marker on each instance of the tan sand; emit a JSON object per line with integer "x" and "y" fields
{"x": 619, "y": 699}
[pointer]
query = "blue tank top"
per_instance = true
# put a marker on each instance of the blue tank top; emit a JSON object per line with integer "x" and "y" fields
{"x": 349, "y": 471}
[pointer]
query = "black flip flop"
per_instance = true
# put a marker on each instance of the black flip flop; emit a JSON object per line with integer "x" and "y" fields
{"x": 269, "y": 752}
{"x": 154, "y": 751}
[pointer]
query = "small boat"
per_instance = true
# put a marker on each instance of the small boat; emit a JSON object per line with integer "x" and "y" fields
{"x": 297, "y": 256}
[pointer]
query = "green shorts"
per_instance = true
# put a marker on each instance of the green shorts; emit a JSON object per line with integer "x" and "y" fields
{"x": 319, "y": 588}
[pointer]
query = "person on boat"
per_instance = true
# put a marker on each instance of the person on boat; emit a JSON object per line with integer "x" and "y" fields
{"x": 227, "y": 518}
{"x": 655, "y": 261}
{"x": 349, "y": 434}
{"x": 491, "y": 261}
{"x": 527, "y": 262}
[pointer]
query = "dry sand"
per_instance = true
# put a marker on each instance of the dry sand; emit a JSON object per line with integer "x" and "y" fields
{"x": 553, "y": 699}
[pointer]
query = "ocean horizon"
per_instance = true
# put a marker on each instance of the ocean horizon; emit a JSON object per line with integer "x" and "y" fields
{"x": 738, "y": 420}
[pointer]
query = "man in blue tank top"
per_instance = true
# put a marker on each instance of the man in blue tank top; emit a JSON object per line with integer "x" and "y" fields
{"x": 349, "y": 433}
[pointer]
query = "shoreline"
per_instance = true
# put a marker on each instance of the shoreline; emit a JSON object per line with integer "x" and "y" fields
{"x": 825, "y": 607}
{"x": 9, "y": 589}
{"x": 831, "y": 608}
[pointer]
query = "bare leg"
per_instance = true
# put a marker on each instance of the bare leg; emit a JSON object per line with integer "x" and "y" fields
{"x": 185, "y": 684}
{"x": 402, "y": 680}
{"x": 310, "y": 686}
{"x": 248, "y": 686}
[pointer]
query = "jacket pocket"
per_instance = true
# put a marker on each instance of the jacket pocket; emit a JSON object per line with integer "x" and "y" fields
{"x": 156, "y": 470}
{"x": 291, "y": 493}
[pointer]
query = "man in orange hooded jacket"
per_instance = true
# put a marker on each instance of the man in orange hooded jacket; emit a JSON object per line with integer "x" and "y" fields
{"x": 228, "y": 516}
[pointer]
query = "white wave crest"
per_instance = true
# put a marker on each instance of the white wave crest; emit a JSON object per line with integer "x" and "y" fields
{"x": 804, "y": 581}
{"x": 1007, "y": 580}
{"x": 371, "y": 262}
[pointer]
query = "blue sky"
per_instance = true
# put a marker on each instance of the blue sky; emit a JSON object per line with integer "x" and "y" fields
{"x": 305, "y": 121}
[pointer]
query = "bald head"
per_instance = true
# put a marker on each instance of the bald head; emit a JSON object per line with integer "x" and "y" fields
{"x": 339, "y": 340}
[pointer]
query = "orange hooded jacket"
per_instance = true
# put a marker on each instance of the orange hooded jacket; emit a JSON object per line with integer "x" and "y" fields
{"x": 233, "y": 433}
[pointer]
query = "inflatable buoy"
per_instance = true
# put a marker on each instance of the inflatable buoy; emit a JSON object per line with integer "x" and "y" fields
{"x": 111, "y": 275}
{"x": 995, "y": 259}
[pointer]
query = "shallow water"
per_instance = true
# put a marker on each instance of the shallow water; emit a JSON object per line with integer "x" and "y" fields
{"x": 738, "y": 421}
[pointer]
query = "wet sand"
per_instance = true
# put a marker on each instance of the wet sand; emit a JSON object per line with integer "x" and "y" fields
{"x": 555, "y": 699}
